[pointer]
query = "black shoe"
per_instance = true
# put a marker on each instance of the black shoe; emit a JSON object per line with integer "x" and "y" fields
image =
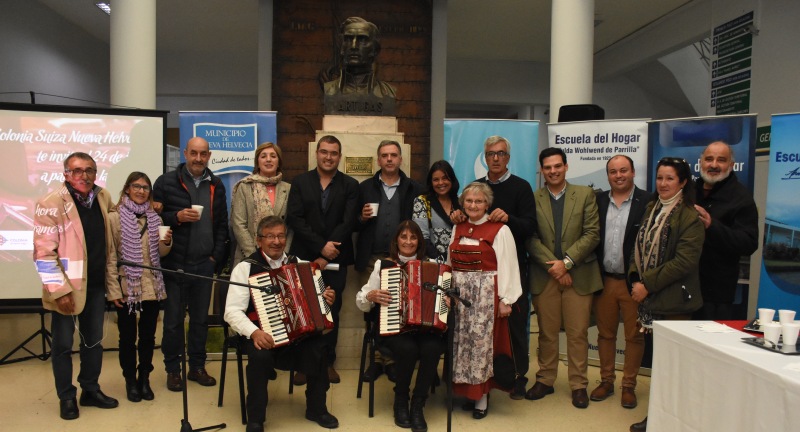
{"x": 402, "y": 417}
{"x": 418, "y": 423}
{"x": 174, "y": 381}
{"x": 69, "y": 409}
{"x": 518, "y": 392}
{"x": 143, "y": 383}
{"x": 98, "y": 399}
{"x": 478, "y": 414}
{"x": 539, "y": 391}
{"x": 639, "y": 427}
{"x": 254, "y": 427}
{"x": 373, "y": 371}
{"x": 132, "y": 390}
{"x": 201, "y": 377}
{"x": 326, "y": 420}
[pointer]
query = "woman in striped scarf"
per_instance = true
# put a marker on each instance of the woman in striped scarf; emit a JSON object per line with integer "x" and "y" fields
{"x": 135, "y": 238}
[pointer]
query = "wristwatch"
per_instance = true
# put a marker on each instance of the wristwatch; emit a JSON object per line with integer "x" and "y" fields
{"x": 568, "y": 263}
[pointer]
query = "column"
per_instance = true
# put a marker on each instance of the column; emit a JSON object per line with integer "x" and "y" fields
{"x": 265, "y": 18}
{"x": 133, "y": 53}
{"x": 571, "y": 54}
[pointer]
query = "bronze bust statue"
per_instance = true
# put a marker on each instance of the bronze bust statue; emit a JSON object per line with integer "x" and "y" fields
{"x": 357, "y": 90}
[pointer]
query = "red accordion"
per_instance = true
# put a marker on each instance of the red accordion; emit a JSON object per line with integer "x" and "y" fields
{"x": 416, "y": 302}
{"x": 290, "y": 305}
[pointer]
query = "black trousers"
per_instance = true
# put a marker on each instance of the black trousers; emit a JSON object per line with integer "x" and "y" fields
{"x": 307, "y": 356}
{"x": 126, "y": 322}
{"x": 519, "y": 329}
{"x": 408, "y": 349}
{"x": 90, "y": 322}
{"x": 337, "y": 281}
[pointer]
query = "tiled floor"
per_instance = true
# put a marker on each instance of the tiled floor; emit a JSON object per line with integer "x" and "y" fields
{"x": 28, "y": 401}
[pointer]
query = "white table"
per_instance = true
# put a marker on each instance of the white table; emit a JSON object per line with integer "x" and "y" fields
{"x": 715, "y": 382}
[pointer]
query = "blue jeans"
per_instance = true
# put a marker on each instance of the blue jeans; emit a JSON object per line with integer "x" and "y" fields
{"x": 196, "y": 298}
{"x": 90, "y": 322}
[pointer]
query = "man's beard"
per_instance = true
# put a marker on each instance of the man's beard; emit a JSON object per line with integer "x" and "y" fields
{"x": 707, "y": 179}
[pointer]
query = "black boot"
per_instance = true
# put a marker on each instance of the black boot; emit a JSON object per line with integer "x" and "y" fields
{"x": 143, "y": 384}
{"x": 401, "y": 415}
{"x": 417, "y": 416}
{"x": 132, "y": 390}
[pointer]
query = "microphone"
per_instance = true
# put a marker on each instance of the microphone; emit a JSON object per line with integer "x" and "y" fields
{"x": 269, "y": 289}
{"x": 429, "y": 286}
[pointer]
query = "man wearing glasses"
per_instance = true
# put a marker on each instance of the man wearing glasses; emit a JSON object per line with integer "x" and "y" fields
{"x": 322, "y": 212}
{"x": 195, "y": 208}
{"x": 71, "y": 262}
{"x": 307, "y": 355}
{"x": 514, "y": 206}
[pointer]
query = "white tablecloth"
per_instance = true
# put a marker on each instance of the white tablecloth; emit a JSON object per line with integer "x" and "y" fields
{"x": 709, "y": 382}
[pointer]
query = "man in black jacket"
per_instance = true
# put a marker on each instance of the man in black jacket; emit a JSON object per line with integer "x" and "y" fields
{"x": 730, "y": 216}
{"x": 621, "y": 210}
{"x": 322, "y": 210}
{"x": 199, "y": 246}
{"x": 394, "y": 193}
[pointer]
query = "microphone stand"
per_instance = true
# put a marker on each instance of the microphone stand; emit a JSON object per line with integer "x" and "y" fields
{"x": 451, "y": 322}
{"x": 185, "y": 425}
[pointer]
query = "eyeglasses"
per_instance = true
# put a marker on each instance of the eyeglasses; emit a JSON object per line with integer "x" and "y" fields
{"x": 78, "y": 173}
{"x": 492, "y": 154}
{"x": 671, "y": 161}
{"x": 472, "y": 201}
{"x": 138, "y": 187}
{"x": 273, "y": 237}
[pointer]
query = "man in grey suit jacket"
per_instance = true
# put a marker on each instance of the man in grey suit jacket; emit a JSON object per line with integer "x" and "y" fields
{"x": 563, "y": 274}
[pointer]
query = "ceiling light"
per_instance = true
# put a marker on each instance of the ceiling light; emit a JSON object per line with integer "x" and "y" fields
{"x": 104, "y": 6}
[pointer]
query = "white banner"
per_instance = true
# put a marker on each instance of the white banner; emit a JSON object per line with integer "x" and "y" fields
{"x": 590, "y": 144}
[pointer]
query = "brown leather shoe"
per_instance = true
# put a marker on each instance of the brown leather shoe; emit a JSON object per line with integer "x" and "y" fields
{"x": 628, "y": 398}
{"x": 579, "y": 398}
{"x": 299, "y": 379}
{"x": 333, "y": 376}
{"x": 539, "y": 391}
{"x": 202, "y": 377}
{"x": 603, "y": 391}
{"x": 639, "y": 427}
{"x": 174, "y": 381}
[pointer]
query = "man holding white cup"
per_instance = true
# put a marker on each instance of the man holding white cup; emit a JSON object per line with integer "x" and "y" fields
{"x": 386, "y": 199}
{"x": 195, "y": 208}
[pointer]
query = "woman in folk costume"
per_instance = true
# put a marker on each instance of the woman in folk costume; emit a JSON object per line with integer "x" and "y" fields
{"x": 135, "y": 238}
{"x": 261, "y": 194}
{"x": 485, "y": 272}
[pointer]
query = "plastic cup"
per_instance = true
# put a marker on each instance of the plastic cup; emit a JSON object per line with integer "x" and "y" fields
{"x": 790, "y": 330}
{"x": 374, "y": 207}
{"x": 198, "y": 209}
{"x": 162, "y": 232}
{"x": 765, "y": 315}
{"x": 772, "y": 332}
{"x": 786, "y": 315}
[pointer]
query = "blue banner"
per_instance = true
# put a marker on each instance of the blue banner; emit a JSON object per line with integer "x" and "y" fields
{"x": 232, "y": 139}
{"x": 780, "y": 267}
{"x": 463, "y": 147}
{"x": 687, "y": 138}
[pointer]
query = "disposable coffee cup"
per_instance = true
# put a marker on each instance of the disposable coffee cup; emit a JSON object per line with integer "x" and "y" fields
{"x": 199, "y": 209}
{"x": 785, "y": 315}
{"x": 772, "y": 332}
{"x": 765, "y": 315}
{"x": 374, "y": 207}
{"x": 162, "y": 232}
{"x": 790, "y": 330}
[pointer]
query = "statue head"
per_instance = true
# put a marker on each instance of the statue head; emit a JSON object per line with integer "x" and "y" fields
{"x": 359, "y": 44}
